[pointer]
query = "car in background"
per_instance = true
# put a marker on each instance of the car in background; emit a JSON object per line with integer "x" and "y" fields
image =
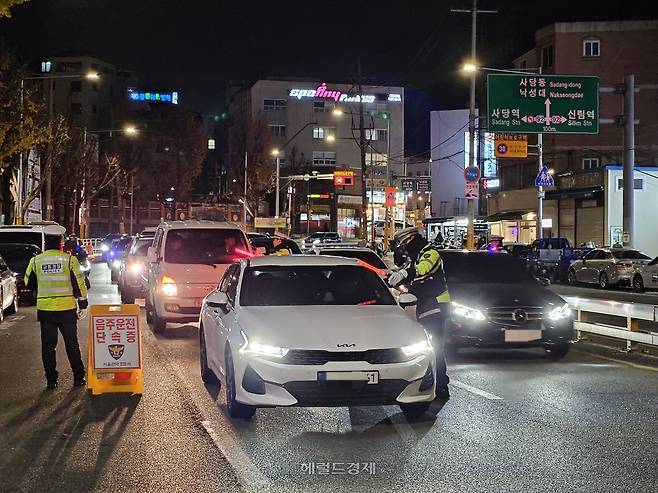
{"x": 496, "y": 302}
{"x": 607, "y": 267}
{"x": 550, "y": 258}
{"x": 8, "y": 290}
{"x": 517, "y": 250}
{"x": 116, "y": 255}
{"x": 148, "y": 232}
{"x": 131, "y": 269}
{"x": 106, "y": 243}
{"x": 380, "y": 226}
{"x": 17, "y": 256}
{"x": 363, "y": 254}
{"x": 31, "y": 234}
{"x": 646, "y": 276}
{"x": 267, "y": 243}
{"x": 320, "y": 238}
{"x": 310, "y": 330}
{"x": 73, "y": 246}
{"x": 186, "y": 262}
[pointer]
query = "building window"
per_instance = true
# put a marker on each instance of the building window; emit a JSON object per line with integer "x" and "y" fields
{"x": 278, "y": 130}
{"x": 547, "y": 56}
{"x": 323, "y": 106}
{"x": 275, "y": 104}
{"x": 211, "y": 144}
{"x": 376, "y": 159}
{"x": 76, "y": 108}
{"x": 323, "y": 132}
{"x": 381, "y": 107}
{"x": 592, "y": 48}
{"x": 376, "y": 134}
{"x": 70, "y": 67}
{"x": 591, "y": 163}
{"x": 324, "y": 157}
{"x": 76, "y": 85}
{"x": 638, "y": 183}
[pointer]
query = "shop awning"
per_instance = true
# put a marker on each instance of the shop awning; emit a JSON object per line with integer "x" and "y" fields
{"x": 573, "y": 193}
{"x": 507, "y": 216}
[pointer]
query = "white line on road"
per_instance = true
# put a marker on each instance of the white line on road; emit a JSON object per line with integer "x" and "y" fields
{"x": 244, "y": 468}
{"x": 475, "y": 390}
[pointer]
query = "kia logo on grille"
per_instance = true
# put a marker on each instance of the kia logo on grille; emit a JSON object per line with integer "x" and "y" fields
{"x": 520, "y": 315}
{"x": 346, "y": 345}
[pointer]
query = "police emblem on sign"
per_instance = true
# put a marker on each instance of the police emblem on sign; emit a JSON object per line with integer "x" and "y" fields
{"x": 116, "y": 350}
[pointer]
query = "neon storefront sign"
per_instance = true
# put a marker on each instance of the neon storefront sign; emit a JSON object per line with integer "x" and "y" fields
{"x": 155, "y": 97}
{"x": 322, "y": 92}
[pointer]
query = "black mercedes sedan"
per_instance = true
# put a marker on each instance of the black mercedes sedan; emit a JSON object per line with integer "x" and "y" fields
{"x": 496, "y": 302}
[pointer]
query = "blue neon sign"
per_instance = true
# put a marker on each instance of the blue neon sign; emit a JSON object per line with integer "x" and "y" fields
{"x": 153, "y": 97}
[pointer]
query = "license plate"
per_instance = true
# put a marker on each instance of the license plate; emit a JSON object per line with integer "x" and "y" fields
{"x": 370, "y": 377}
{"x": 525, "y": 335}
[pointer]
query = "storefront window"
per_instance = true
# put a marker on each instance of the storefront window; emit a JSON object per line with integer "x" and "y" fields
{"x": 348, "y": 222}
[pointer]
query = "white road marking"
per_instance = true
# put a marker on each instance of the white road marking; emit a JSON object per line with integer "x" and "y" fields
{"x": 475, "y": 390}
{"x": 244, "y": 468}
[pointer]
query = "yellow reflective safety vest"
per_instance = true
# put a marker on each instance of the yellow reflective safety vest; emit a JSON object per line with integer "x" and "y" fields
{"x": 59, "y": 280}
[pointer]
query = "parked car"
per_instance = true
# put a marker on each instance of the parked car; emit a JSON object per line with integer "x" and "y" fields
{"x": 186, "y": 261}
{"x": 517, "y": 250}
{"x": 309, "y": 330}
{"x": 131, "y": 269}
{"x": 8, "y": 290}
{"x": 363, "y": 254}
{"x": 496, "y": 302}
{"x": 17, "y": 256}
{"x": 31, "y": 234}
{"x": 379, "y": 227}
{"x": 551, "y": 258}
{"x": 607, "y": 267}
{"x": 320, "y": 238}
{"x": 646, "y": 276}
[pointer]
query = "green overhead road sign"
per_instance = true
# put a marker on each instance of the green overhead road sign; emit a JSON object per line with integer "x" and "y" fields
{"x": 567, "y": 104}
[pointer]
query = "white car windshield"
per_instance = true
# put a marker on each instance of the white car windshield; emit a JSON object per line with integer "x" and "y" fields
{"x": 313, "y": 285}
{"x": 205, "y": 246}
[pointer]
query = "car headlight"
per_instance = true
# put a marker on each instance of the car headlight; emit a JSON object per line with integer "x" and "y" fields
{"x": 418, "y": 348}
{"x": 116, "y": 264}
{"x": 168, "y": 287}
{"x": 135, "y": 268}
{"x": 104, "y": 248}
{"x": 559, "y": 312}
{"x": 463, "y": 311}
{"x": 253, "y": 347}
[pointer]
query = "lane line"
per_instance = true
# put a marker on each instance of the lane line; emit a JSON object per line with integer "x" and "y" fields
{"x": 248, "y": 474}
{"x": 621, "y": 362}
{"x": 475, "y": 390}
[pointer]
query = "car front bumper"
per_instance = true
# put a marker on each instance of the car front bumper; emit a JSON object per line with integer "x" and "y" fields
{"x": 266, "y": 383}
{"x": 489, "y": 334}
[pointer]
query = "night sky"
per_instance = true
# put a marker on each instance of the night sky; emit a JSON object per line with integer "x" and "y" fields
{"x": 200, "y": 46}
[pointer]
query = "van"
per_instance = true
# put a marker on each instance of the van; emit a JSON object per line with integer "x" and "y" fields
{"x": 31, "y": 234}
{"x": 185, "y": 262}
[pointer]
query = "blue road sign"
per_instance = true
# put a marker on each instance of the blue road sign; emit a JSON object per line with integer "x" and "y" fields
{"x": 544, "y": 178}
{"x": 472, "y": 174}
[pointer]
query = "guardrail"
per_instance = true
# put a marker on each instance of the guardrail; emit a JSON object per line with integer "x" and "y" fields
{"x": 91, "y": 244}
{"x": 632, "y": 312}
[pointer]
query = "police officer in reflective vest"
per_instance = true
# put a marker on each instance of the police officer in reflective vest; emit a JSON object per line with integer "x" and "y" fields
{"x": 421, "y": 269}
{"x": 61, "y": 301}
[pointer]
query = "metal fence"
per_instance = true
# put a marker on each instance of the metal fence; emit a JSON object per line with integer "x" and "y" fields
{"x": 602, "y": 317}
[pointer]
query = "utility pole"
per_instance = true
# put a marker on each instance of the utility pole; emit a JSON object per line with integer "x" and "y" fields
{"x": 48, "y": 199}
{"x": 244, "y": 206}
{"x": 362, "y": 148}
{"x": 470, "y": 203}
{"x": 629, "y": 160}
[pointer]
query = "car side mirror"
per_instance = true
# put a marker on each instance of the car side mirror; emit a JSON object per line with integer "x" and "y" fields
{"x": 217, "y": 299}
{"x": 407, "y": 299}
{"x": 151, "y": 255}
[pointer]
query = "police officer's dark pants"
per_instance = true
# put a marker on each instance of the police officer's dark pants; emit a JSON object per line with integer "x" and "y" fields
{"x": 65, "y": 322}
{"x": 434, "y": 324}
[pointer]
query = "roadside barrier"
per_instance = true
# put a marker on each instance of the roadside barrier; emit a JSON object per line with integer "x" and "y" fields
{"x": 588, "y": 310}
{"x": 114, "y": 362}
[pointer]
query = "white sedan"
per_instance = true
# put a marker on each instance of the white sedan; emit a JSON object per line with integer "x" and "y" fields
{"x": 313, "y": 331}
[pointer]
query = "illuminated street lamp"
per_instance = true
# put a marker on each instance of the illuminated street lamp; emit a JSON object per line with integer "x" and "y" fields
{"x": 276, "y": 153}
{"x": 130, "y": 130}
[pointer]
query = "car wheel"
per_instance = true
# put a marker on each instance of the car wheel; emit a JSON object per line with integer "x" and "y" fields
{"x": 148, "y": 308}
{"x": 13, "y": 308}
{"x": 558, "y": 350}
{"x": 127, "y": 296}
{"x": 2, "y": 304}
{"x": 638, "y": 284}
{"x": 235, "y": 409}
{"x": 207, "y": 375}
{"x": 603, "y": 280}
{"x": 571, "y": 277}
{"x": 414, "y": 411}
{"x": 159, "y": 324}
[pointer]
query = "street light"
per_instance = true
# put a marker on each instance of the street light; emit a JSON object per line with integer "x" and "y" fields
{"x": 130, "y": 130}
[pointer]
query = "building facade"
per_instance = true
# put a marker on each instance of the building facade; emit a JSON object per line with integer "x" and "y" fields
{"x": 578, "y": 208}
{"x": 315, "y": 127}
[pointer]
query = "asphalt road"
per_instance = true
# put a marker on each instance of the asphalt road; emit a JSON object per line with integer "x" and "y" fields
{"x": 616, "y": 294}
{"x": 517, "y": 421}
